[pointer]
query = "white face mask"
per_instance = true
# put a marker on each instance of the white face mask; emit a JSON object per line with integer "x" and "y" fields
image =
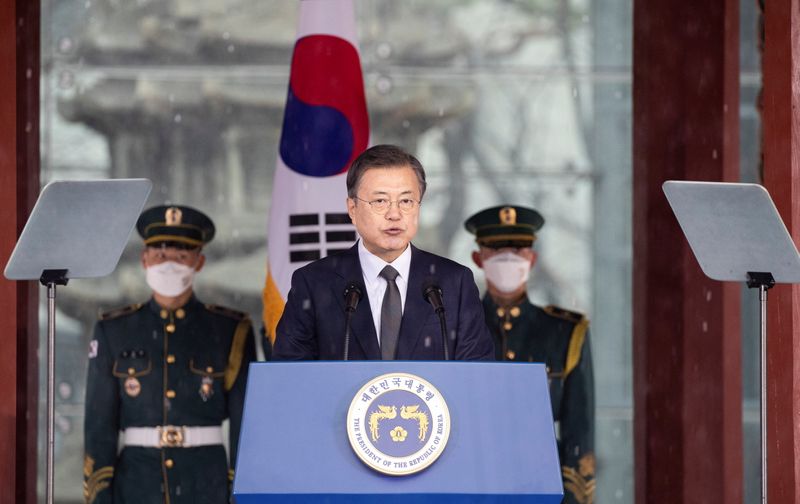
{"x": 170, "y": 279}
{"x": 507, "y": 271}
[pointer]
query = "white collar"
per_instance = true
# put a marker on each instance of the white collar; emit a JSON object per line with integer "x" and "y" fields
{"x": 372, "y": 265}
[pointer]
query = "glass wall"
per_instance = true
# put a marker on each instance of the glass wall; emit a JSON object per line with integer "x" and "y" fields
{"x": 750, "y": 170}
{"x": 521, "y": 101}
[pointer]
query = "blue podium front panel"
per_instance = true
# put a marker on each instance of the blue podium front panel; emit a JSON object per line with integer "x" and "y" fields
{"x": 294, "y": 444}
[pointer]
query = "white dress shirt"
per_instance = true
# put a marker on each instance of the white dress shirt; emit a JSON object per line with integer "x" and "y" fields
{"x": 371, "y": 267}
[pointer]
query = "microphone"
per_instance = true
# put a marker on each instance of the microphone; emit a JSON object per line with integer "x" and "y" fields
{"x": 433, "y": 294}
{"x": 352, "y": 295}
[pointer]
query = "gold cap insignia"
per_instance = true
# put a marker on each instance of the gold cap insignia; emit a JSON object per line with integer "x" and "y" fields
{"x": 508, "y": 216}
{"x": 173, "y": 216}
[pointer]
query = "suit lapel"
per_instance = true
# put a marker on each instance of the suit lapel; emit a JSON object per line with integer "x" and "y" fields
{"x": 416, "y": 310}
{"x": 362, "y": 325}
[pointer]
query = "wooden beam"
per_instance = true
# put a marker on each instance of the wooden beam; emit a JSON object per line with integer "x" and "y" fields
{"x": 686, "y": 341}
{"x": 781, "y": 149}
{"x": 19, "y": 185}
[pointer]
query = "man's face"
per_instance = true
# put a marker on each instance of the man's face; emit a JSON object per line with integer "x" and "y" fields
{"x": 386, "y": 233}
{"x": 503, "y": 288}
{"x": 152, "y": 256}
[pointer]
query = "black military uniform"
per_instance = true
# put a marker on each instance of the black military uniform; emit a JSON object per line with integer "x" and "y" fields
{"x": 524, "y": 332}
{"x": 160, "y": 383}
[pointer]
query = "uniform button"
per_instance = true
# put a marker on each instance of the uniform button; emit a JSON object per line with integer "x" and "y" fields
{"x": 164, "y": 314}
{"x": 507, "y": 326}
{"x": 171, "y": 394}
{"x": 169, "y": 463}
{"x": 180, "y": 313}
{"x": 170, "y": 328}
{"x": 170, "y": 359}
{"x": 209, "y": 369}
{"x": 515, "y": 311}
{"x": 501, "y": 312}
{"x": 131, "y": 371}
{"x": 510, "y": 355}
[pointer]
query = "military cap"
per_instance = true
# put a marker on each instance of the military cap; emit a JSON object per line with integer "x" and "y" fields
{"x": 175, "y": 224}
{"x": 505, "y": 226}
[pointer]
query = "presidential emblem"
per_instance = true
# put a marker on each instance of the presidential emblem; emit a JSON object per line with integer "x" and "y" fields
{"x": 398, "y": 424}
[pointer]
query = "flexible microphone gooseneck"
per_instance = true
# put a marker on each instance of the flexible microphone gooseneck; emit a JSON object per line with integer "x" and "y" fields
{"x": 433, "y": 294}
{"x": 352, "y": 295}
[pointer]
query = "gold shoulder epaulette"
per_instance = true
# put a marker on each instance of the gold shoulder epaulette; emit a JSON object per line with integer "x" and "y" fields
{"x": 237, "y": 352}
{"x": 228, "y": 312}
{"x": 576, "y": 337}
{"x": 118, "y": 312}
{"x": 558, "y": 312}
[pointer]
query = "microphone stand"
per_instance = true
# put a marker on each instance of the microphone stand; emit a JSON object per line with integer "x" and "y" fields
{"x": 352, "y": 295}
{"x": 348, "y": 315}
{"x": 433, "y": 295}
{"x": 444, "y": 333}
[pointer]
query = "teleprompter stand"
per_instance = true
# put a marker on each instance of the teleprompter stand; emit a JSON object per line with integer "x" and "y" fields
{"x": 737, "y": 235}
{"x": 77, "y": 229}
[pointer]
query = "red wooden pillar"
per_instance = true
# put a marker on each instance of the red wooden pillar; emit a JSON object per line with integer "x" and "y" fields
{"x": 781, "y": 148}
{"x": 686, "y": 341}
{"x": 19, "y": 185}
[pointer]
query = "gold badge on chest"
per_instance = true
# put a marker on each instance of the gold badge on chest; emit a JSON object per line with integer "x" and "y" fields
{"x": 132, "y": 386}
{"x": 206, "y": 388}
{"x": 207, "y": 385}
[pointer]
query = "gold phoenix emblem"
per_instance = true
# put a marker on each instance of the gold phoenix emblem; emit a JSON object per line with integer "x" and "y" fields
{"x": 508, "y": 216}
{"x": 173, "y": 216}
{"x": 384, "y": 413}
{"x": 410, "y": 412}
{"x": 390, "y": 413}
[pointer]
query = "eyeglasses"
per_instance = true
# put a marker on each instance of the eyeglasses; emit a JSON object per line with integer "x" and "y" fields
{"x": 381, "y": 205}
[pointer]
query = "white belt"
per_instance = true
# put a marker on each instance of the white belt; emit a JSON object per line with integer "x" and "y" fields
{"x": 172, "y": 436}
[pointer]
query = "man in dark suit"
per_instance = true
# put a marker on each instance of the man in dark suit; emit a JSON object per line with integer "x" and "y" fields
{"x": 394, "y": 318}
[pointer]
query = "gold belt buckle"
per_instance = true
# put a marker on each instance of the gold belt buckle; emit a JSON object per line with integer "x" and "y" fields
{"x": 170, "y": 436}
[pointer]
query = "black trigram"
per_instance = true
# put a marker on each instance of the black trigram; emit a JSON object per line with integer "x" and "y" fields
{"x": 308, "y": 239}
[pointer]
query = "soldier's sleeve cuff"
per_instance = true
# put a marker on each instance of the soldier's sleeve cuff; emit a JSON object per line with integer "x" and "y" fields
{"x": 580, "y": 483}
{"x": 95, "y": 482}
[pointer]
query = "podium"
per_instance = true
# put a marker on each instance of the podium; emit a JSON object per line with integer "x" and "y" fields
{"x": 295, "y": 445}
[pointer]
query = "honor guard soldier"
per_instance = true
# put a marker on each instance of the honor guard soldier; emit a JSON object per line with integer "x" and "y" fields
{"x": 163, "y": 375}
{"x": 524, "y": 332}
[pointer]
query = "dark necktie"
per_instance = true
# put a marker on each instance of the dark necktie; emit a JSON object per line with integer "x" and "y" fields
{"x": 391, "y": 314}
